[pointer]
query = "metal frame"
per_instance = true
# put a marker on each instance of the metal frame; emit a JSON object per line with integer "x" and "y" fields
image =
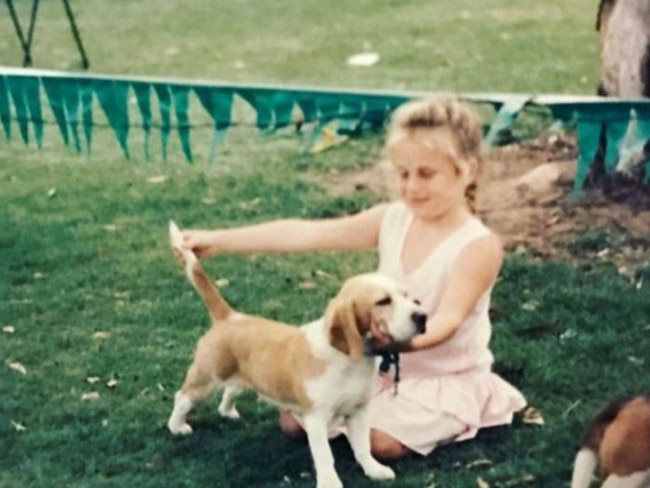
{"x": 26, "y": 41}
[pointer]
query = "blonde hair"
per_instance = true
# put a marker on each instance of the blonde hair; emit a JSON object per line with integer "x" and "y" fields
{"x": 462, "y": 122}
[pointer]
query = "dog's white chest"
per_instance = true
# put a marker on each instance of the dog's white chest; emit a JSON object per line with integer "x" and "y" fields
{"x": 343, "y": 388}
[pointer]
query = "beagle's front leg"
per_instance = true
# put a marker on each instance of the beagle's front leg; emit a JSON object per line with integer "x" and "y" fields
{"x": 321, "y": 453}
{"x": 359, "y": 438}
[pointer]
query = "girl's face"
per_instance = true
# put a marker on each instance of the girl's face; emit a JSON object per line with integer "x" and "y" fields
{"x": 429, "y": 178}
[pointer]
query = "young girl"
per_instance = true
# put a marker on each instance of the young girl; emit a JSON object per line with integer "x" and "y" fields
{"x": 432, "y": 242}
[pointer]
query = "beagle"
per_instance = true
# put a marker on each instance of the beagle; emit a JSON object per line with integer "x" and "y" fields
{"x": 618, "y": 439}
{"x": 321, "y": 370}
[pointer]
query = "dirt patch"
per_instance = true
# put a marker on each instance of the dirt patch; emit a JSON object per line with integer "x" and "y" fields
{"x": 525, "y": 194}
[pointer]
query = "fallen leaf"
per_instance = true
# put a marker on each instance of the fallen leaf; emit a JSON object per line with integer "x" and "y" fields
{"x": 221, "y": 282}
{"x": 479, "y": 463}
{"x": 101, "y": 335}
{"x": 363, "y": 59}
{"x": 90, "y": 396}
{"x": 250, "y": 204}
{"x": 568, "y": 334}
{"x": 8, "y": 329}
{"x": 18, "y": 427}
{"x": 93, "y": 379}
{"x": 158, "y": 179}
{"x": 530, "y": 306}
{"x": 329, "y": 138}
{"x": 112, "y": 383}
{"x": 481, "y": 483}
{"x": 16, "y": 366}
{"x": 307, "y": 285}
{"x": 51, "y": 192}
{"x": 522, "y": 480}
{"x": 532, "y": 416}
{"x": 323, "y": 274}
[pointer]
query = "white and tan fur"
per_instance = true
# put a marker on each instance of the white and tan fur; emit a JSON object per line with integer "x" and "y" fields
{"x": 617, "y": 440}
{"x": 320, "y": 370}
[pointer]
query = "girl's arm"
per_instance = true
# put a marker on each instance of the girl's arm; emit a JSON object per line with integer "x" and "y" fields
{"x": 475, "y": 270}
{"x": 359, "y": 231}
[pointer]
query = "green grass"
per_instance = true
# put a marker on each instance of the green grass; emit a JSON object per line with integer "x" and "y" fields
{"x": 94, "y": 258}
{"x": 460, "y": 45}
{"x": 83, "y": 248}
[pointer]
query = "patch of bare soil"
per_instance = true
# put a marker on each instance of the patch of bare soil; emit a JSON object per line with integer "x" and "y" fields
{"x": 525, "y": 194}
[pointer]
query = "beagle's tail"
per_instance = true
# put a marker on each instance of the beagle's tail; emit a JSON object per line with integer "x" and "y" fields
{"x": 215, "y": 303}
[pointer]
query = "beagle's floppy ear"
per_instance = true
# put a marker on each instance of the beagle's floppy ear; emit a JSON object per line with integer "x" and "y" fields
{"x": 343, "y": 330}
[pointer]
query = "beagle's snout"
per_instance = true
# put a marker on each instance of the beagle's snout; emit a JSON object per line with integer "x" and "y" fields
{"x": 420, "y": 321}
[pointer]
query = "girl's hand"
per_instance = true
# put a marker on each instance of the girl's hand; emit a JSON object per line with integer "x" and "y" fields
{"x": 200, "y": 242}
{"x": 381, "y": 338}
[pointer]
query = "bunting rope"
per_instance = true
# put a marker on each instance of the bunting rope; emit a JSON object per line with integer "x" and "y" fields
{"x": 73, "y": 99}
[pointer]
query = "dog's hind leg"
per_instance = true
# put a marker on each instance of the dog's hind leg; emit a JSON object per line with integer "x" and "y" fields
{"x": 194, "y": 390}
{"x": 583, "y": 468}
{"x": 227, "y": 406}
{"x": 177, "y": 423}
{"x": 359, "y": 437}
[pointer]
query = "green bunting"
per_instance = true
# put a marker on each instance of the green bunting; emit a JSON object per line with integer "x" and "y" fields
{"x": 164, "y": 105}
{"x": 17, "y": 91}
{"x": 5, "y": 108}
{"x": 143, "y": 97}
{"x": 113, "y": 98}
{"x": 218, "y": 104}
{"x": 54, "y": 91}
{"x": 330, "y": 116}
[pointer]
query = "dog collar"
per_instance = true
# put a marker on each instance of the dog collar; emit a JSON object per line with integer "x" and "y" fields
{"x": 388, "y": 358}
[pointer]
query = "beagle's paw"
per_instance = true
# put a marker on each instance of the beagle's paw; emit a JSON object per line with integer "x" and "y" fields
{"x": 329, "y": 482}
{"x": 378, "y": 471}
{"x": 179, "y": 429}
{"x": 229, "y": 412}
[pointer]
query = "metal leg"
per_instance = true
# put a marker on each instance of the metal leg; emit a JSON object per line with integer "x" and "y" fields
{"x": 75, "y": 33}
{"x": 26, "y": 42}
{"x": 27, "y": 58}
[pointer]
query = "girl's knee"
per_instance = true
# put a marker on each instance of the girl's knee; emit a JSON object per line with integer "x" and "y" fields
{"x": 291, "y": 427}
{"x": 383, "y": 446}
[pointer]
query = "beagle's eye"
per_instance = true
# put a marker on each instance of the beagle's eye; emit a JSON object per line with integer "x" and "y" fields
{"x": 384, "y": 301}
{"x": 417, "y": 302}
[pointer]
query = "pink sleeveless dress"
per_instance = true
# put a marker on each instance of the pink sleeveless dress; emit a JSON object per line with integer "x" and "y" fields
{"x": 446, "y": 393}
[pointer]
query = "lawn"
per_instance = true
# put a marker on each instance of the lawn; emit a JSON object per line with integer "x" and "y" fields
{"x": 98, "y": 323}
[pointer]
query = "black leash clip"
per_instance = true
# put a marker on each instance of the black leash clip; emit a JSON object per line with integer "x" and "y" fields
{"x": 388, "y": 359}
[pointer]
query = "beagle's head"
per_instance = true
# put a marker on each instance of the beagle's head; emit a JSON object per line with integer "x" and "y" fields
{"x": 370, "y": 305}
